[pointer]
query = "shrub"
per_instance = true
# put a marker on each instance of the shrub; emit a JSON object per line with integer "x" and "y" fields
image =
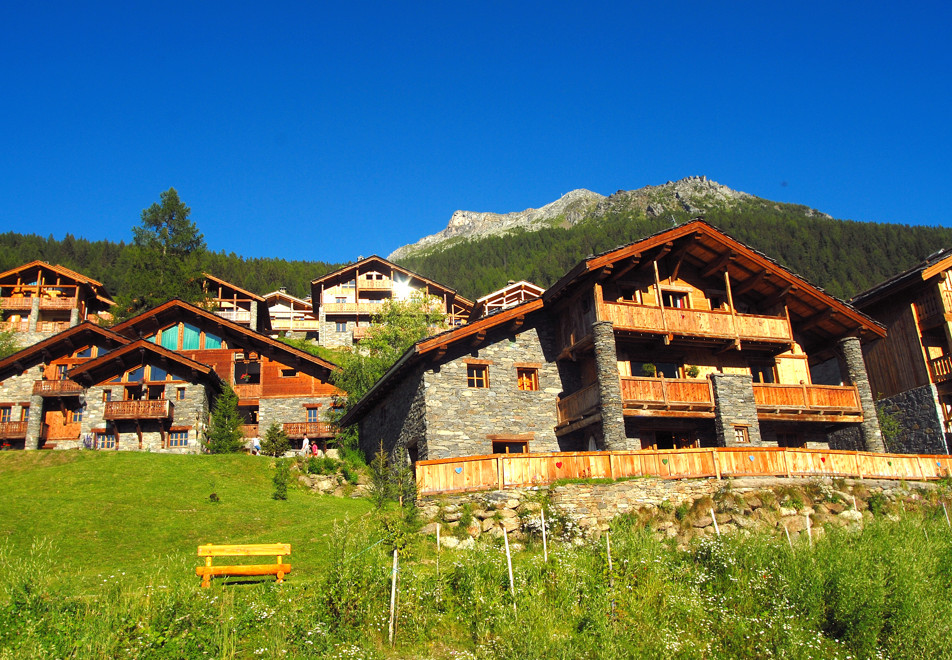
{"x": 282, "y": 476}
{"x": 275, "y": 442}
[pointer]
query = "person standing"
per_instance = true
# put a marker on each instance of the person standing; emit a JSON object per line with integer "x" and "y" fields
{"x": 305, "y": 446}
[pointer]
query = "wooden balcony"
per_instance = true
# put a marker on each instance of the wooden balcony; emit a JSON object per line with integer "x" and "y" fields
{"x": 14, "y": 326}
{"x": 697, "y": 323}
{"x": 59, "y": 303}
{"x": 311, "y": 429}
{"x": 57, "y": 388}
{"x": 295, "y": 324}
{"x": 248, "y": 391}
{"x": 376, "y": 285}
{"x": 663, "y": 396}
{"x": 808, "y": 402}
{"x": 12, "y": 430}
{"x": 52, "y": 326}
{"x": 353, "y": 308}
{"x": 155, "y": 409}
{"x": 941, "y": 368}
{"x": 236, "y": 315}
{"x": 578, "y": 404}
{"x": 249, "y": 430}
{"x": 933, "y": 307}
{"x": 16, "y": 302}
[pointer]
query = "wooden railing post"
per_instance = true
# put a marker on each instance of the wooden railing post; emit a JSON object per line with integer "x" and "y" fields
{"x": 717, "y": 462}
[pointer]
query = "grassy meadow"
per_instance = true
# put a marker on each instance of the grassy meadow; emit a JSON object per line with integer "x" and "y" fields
{"x": 97, "y": 557}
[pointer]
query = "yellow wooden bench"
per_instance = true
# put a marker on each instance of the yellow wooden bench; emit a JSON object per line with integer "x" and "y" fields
{"x": 276, "y": 550}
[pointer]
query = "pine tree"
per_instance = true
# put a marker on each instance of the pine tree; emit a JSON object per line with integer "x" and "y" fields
{"x": 225, "y": 435}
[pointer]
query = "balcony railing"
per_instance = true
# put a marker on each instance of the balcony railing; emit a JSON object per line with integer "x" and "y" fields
{"x": 578, "y": 404}
{"x": 296, "y": 324}
{"x": 14, "y": 326}
{"x": 17, "y": 302}
{"x": 941, "y": 368}
{"x": 932, "y": 307}
{"x": 803, "y": 398}
{"x": 58, "y": 303}
{"x": 236, "y": 315}
{"x": 696, "y": 322}
{"x": 377, "y": 285}
{"x": 667, "y": 393}
{"x": 52, "y": 326}
{"x": 310, "y": 429}
{"x": 352, "y": 308}
{"x": 146, "y": 409}
{"x": 12, "y": 430}
{"x": 57, "y": 388}
{"x": 248, "y": 391}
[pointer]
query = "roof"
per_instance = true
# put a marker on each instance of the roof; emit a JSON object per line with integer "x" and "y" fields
{"x": 522, "y": 289}
{"x": 340, "y": 272}
{"x": 60, "y": 344}
{"x": 98, "y": 289}
{"x": 705, "y": 246}
{"x": 253, "y": 296}
{"x": 134, "y": 353}
{"x": 475, "y": 331}
{"x": 148, "y": 322}
{"x": 287, "y": 296}
{"x": 932, "y": 265}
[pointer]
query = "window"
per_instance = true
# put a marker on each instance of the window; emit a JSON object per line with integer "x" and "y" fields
{"x": 190, "y": 337}
{"x": 61, "y": 370}
{"x": 25, "y": 414}
{"x": 179, "y": 393}
{"x": 510, "y": 446}
{"x": 350, "y": 284}
{"x": 76, "y": 416}
{"x": 288, "y": 373}
{"x": 85, "y": 353}
{"x": 178, "y": 439}
{"x": 157, "y": 373}
{"x": 341, "y": 326}
{"x": 6, "y": 413}
{"x": 340, "y": 299}
{"x": 313, "y": 415}
{"x": 212, "y": 341}
{"x": 107, "y": 395}
{"x": 477, "y": 375}
{"x": 762, "y": 373}
{"x": 169, "y": 338}
{"x": 674, "y": 299}
{"x": 105, "y": 441}
{"x": 527, "y": 379}
{"x": 740, "y": 434}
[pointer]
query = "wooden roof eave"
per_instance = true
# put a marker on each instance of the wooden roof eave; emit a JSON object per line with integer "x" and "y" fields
{"x": 120, "y": 360}
{"x": 218, "y": 280}
{"x": 41, "y": 350}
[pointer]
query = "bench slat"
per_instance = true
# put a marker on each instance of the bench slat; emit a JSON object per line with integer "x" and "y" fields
{"x": 250, "y": 569}
{"x": 245, "y": 550}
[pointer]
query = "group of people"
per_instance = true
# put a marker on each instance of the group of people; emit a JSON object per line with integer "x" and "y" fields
{"x": 308, "y": 447}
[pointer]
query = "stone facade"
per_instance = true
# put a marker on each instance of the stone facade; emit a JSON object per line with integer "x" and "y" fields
{"x": 919, "y": 419}
{"x": 734, "y": 408}
{"x": 398, "y": 422}
{"x": 17, "y": 392}
{"x": 289, "y": 409}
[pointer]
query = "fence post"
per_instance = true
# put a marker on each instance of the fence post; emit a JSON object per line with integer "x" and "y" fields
{"x": 717, "y": 463}
{"x": 859, "y": 466}
{"x": 500, "y": 477}
{"x": 611, "y": 465}
{"x": 786, "y": 464}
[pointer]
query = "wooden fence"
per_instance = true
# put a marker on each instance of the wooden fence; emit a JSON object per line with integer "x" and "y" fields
{"x": 513, "y": 470}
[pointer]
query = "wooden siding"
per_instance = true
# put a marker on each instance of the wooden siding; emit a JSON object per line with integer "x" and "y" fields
{"x": 807, "y": 398}
{"x": 896, "y": 363}
{"x": 667, "y": 392}
{"x": 577, "y": 404}
{"x": 518, "y": 470}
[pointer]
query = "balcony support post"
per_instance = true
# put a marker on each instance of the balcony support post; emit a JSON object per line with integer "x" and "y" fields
{"x": 34, "y": 425}
{"x": 34, "y": 312}
{"x": 609, "y": 387}
{"x": 74, "y": 317}
{"x": 734, "y": 406}
{"x": 850, "y": 355}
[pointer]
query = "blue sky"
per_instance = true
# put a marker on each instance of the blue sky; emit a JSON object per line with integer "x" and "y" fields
{"x": 327, "y": 131}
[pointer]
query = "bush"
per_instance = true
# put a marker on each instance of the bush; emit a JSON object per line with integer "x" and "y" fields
{"x": 322, "y": 465}
{"x": 275, "y": 442}
{"x": 282, "y": 476}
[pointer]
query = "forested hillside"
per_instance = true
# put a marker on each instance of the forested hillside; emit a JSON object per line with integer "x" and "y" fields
{"x": 843, "y": 256}
{"x": 101, "y": 261}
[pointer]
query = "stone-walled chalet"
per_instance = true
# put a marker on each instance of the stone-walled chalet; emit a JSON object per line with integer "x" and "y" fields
{"x": 687, "y": 338}
{"x": 37, "y": 300}
{"x": 148, "y": 383}
{"x": 348, "y": 298}
{"x": 910, "y": 370}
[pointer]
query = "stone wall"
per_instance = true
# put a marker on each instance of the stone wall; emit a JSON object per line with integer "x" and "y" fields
{"x": 734, "y": 406}
{"x": 609, "y": 388}
{"x": 920, "y": 421}
{"x": 17, "y": 391}
{"x": 461, "y": 420}
{"x": 289, "y": 409}
{"x": 397, "y": 421}
{"x": 850, "y": 354}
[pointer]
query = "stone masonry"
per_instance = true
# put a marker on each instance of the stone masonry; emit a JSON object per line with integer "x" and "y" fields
{"x": 920, "y": 421}
{"x": 400, "y": 423}
{"x": 609, "y": 388}
{"x": 734, "y": 406}
{"x": 850, "y": 352}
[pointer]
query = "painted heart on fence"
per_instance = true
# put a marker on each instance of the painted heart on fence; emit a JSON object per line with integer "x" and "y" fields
{"x": 751, "y": 458}
{"x": 559, "y": 464}
{"x": 664, "y": 460}
{"x": 938, "y": 463}
{"x": 823, "y": 459}
{"x": 890, "y": 463}
{"x": 459, "y": 470}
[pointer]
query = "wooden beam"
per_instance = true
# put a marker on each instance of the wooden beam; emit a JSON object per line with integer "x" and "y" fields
{"x": 780, "y": 295}
{"x": 632, "y": 264}
{"x": 605, "y": 272}
{"x": 817, "y": 319}
{"x": 720, "y": 264}
{"x": 478, "y": 338}
{"x": 751, "y": 282}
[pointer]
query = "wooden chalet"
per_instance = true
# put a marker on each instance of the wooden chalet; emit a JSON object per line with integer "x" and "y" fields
{"x": 348, "y": 298}
{"x": 40, "y": 405}
{"x": 236, "y": 304}
{"x": 687, "y": 338}
{"x": 512, "y": 294}
{"x": 38, "y": 299}
{"x": 910, "y": 370}
{"x": 275, "y": 382}
{"x": 291, "y": 315}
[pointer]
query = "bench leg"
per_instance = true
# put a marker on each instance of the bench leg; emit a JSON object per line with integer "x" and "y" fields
{"x": 280, "y": 573}
{"x": 207, "y": 578}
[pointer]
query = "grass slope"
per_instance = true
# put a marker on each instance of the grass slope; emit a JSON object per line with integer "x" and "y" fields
{"x": 114, "y": 512}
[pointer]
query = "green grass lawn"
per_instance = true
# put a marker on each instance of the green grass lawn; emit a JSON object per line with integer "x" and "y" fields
{"x": 114, "y": 512}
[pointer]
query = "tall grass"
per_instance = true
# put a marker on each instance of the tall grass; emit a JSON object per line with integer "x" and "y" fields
{"x": 883, "y": 591}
